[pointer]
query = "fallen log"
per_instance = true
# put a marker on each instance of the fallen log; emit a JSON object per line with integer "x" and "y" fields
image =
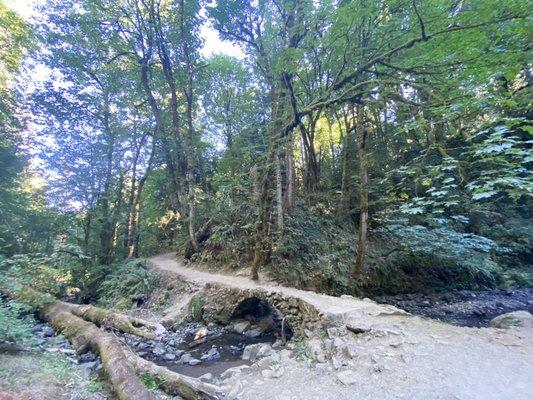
{"x": 174, "y": 383}
{"x": 120, "y": 366}
{"x": 99, "y": 316}
{"x": 120, "y": 322}
{"x": 85, "y": 335}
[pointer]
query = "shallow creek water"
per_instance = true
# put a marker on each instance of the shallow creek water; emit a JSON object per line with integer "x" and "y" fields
{"x": 229, "y": 347}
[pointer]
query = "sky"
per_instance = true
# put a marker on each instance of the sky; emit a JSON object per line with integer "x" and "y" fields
{"x": 213, "y": 44}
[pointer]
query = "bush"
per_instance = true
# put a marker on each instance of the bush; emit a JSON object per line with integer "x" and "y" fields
{"x": 52, "y": 274}
{"x": 415, "y": 256}
{"x": 15, "y": 323}
{"x": 123, "y": 281}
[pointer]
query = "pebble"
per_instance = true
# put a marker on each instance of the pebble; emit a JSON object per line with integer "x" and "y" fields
{"x": 347, "y": 378}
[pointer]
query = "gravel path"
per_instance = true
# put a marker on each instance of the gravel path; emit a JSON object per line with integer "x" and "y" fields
{"x": 402, "y": 357}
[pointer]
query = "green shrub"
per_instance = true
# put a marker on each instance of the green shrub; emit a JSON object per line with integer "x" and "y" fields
{"x": 15, "y": 323}
{"x": 196, "y": 307}
{"x": 124, "y": 280}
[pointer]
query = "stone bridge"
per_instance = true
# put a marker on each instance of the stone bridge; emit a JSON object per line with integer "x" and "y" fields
{"x": 222, "y": 301}
{"x": 305, "y": 311}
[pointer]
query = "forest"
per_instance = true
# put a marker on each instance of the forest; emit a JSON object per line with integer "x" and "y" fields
{"x": 352, "y": 147}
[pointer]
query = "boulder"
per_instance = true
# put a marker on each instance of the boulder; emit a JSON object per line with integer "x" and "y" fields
{"x": 169, "y": 357}
{"x": 515, "y": 319}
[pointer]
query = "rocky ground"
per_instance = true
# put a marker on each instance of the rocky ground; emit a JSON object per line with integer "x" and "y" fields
{"x": 463, "y": 307}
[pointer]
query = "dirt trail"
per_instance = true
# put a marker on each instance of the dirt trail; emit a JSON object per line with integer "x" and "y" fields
{"x": 403, "y": 356}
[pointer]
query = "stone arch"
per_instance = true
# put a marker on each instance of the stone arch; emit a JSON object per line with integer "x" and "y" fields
{"x": 262, "y": 314}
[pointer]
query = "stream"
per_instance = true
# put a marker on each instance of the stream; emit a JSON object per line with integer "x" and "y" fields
{"x": 178, "y": 351}
{"x": 463, "y": 307}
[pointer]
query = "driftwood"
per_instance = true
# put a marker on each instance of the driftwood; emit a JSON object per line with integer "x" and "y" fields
{"x": 78, "y": 323}
{"x": 203, "y": 340}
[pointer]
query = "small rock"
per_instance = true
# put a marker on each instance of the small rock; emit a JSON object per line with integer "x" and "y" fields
{"x": 252, "y": 333}
{"x": 347, "y": 378}
{"x": 201, "y": 333}
{"x": 169, "y": 357}
{"x": 194, "y": 361}
{"x": 158, "y": 351}
{"x": 87, "y": 357}
{"x": 315, "y": 350}
{"x": 212, "y": 354}
{"x": 185, "y": 358}
{"x": 47, "y": 331}
{"x": 40, "y": 342}
{"x": 240, "y": 327}
{"x": 250, "y": 352}
{"x": 332, "y": 332}
{"x": 89, "y": 367}
{"x": 142, "y": 346}
{"x": 378, "y": 368}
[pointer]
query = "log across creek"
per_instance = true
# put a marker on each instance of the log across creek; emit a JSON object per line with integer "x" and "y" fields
{"x": 91, "y": 328}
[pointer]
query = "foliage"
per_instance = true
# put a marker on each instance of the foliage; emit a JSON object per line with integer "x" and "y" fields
{"x": 437, "y": 255}
{"x": 148, "y": 380}
{"x": 407, "y": 118}
{"x": 123, "y": 281}
{"x": 51, "y": 274}
{"x": 196, "y": 307}
{"x": 15, "y": 322}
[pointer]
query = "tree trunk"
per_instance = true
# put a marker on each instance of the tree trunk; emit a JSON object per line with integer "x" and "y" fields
{"x": 279, "y": 196}
{"x": 363, "y": 193}
{"x": 348, "y": 167}
{"x": 106, "y": 230}
{"x": 160, "y": 134}
{"x": 290, "y": 185}
{"x": 189, "y": 92}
